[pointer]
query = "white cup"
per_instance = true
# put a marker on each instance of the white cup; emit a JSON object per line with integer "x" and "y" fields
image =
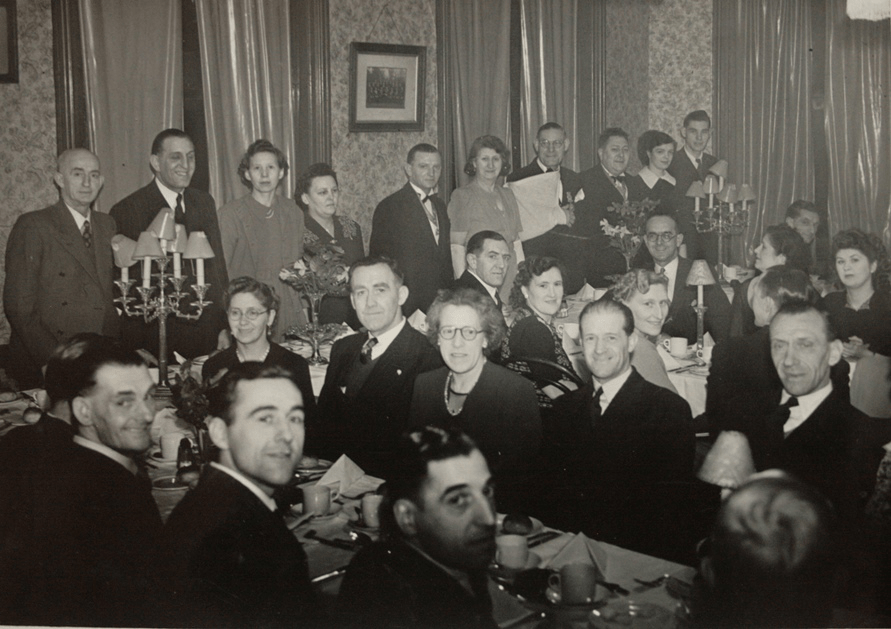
{"x": 577, "y": 583}
{"x": 676, "y": 346}
{"x": 317, "y": 499}
{"x": 513, "y": 551}
{"x": 371, "y": 505}
{"x": 170, "y": 445}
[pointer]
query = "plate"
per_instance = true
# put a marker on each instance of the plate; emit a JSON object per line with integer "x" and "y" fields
{"x": 336, "y": 508}
{"x": 537, "y": 526}
{"x": 169, "y": 483}
{"x": 632, "y": 615}
{"x": 321, "y": 466}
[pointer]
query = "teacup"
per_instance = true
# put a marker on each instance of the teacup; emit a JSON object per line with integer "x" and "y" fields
{"x": 317, "y": 499}
{"x": 576, "y": 582}
{"x": 371, "y": 504}
{"x": 513, "y": 551}
{"x": 170, "y": 445}
{"x": 676, "y": 346}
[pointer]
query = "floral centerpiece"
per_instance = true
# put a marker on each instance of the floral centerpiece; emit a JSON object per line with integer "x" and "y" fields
{"x": 625, "y": 224}
{"x": 318, "y": 274}
{"x": 193, "y": 406}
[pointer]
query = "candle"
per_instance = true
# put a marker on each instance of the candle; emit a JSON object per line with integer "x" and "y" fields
{"x": 177, "y": 265}
{"x": 200, "y": 273}
{"x": 125, "y": 275}
{"x": 720, "y": 183}
{"x": 696, "y": 204}
{"x": 699, "y": 296}
{"x": 711, "y": 200}
{"x": 146, "y": 272}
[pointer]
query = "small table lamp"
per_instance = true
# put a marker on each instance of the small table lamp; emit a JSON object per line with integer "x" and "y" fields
{"x": 700, "y": 275}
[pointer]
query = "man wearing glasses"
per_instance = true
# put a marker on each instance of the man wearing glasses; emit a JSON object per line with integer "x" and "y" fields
{"x": 368, "y": 387}
{"x": 663, "y": 240}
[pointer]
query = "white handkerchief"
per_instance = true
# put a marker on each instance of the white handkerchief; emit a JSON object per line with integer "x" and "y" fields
{"x": 580, "y": 549}
{"x": 418, "y": 320}
{"x": 537, "y": 201}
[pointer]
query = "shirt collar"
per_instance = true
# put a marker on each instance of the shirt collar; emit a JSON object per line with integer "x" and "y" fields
{"x": 807, "y": 404}
{"x": 691, "y": 156}
{"x": 609, "y": 175}
{"x": 544, "y": 168}
{"x": 421, "y": 194}
{"x": 863, "y": 306}
{"x": 79, "y": 218}
{"x": 651, "y": 179}
{"x": 492, "y": 290}
{"x": 611, "y": 387}
{"x": 671, "y": 269}
{"x": 386, "y": 339}
{"x": 170, "y": 195}
{"x": 103, "y": 449}
{"x": 241, "y": 478}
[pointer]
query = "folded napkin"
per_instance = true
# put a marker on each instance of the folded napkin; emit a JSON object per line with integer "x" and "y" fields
{"x": 418, "y": 320}
{"x": 729, "y": 462}
{"x": 580, "y": 549}
{"x": 586, "y": 294}
{"x": 349, "y": 479}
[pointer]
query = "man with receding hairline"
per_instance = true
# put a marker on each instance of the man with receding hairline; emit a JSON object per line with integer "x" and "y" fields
{"x": 59, "y": 269}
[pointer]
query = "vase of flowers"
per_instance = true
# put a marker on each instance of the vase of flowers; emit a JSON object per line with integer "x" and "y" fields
{"x": 625, "y": 224}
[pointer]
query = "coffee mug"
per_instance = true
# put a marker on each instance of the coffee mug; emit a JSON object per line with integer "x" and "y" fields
{"x": 676, "y": 346}
{"x": 371, "y": 504}
{"x": 577, "y": 583}
{"x": 705, "y": 353}
{"x": 317, "y": 499}
{"x": 513, "y": 551}
{"x": 170, "y": 445}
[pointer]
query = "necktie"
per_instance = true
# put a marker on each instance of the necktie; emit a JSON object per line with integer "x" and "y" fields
{"x": 550, "y": 170}
{"x": 87, "y": 233}
{"x": 431, "y": 215}
{"x": 179, "y": 214}
{"x": 661, "y": 270}
{"x": 781, "y": 416}
{"x": 619, "y": 183}
{"x": 618, "y": 179}
{"x": 699, "y": 166}
{"x": 596, "y": 412}
{"x": 365, "y": 356}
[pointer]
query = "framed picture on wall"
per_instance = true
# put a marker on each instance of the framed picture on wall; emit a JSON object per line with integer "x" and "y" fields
{"x": 9, "y": 57}
{"x": 387, "y": 87}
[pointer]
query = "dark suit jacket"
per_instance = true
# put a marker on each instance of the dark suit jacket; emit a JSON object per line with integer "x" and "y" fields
{"x": 685, "y": 173}
{"x": 400, "y": 230}
{"x": 228, "y": 561}
{"x": 55, "y": 286}
{"x": 190, "y": 338}
{"x": 681, "y": 316}
{"x": 367, "y": 424}
{"x": 467, "y": 280}
{"x": 393, "y": 585}
{"x": 622, "y": 477}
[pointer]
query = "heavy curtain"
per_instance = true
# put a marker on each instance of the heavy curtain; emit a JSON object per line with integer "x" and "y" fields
{"x": 858, "y": 122}
{"x": 762, "y": 105}
{"x": 133, "y": 66}
{"x": 245, "y": 49}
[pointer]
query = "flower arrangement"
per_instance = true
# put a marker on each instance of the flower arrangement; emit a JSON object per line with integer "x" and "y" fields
{"x": 625, "y": 224}
{"x": 320, "y": 271}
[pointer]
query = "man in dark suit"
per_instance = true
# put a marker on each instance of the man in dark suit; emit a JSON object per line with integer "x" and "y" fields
{"x": 93, "y": 525}
{"x": 173, "y": 164}
{"x": 691, "y": 164}
{"x": 431, "y": 571}
{"x": 803, "y": 217}
{"x": 488, "y": 256}
{"x": 621, "y": 447}
{"x": 229, "y": 560}
{"x": 367, "y": 393}
{"x": 412, "y": 227}
{"x": 59, "y": 270}
{"x": 605, "y": 184}
{"x": 552, "y": 234}
{"x": 663, "y": 241}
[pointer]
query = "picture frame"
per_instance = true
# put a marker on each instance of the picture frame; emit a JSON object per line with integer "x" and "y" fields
{"x": 9, "y": 54}
{"x": 387, "y": 87}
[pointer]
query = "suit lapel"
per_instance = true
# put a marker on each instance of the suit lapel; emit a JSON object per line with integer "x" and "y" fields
{"x": 680, "y": 286}
{"x": 71, "y": 240}
{"x": 412, "y": 200}
{"x": 390, "y": 365}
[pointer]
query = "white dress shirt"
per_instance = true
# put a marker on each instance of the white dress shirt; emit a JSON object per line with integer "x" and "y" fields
{"x": 79, "y": 218}
{"x": 170, "y": 195}
{"x": 807, "y": 404}
{"x": 386, "y": 339}
{"x": 429, "y": 209}
{"x": 611, "y": 388}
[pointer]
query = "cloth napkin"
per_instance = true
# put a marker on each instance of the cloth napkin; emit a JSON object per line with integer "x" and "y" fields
{"x": 729, "y": 462}
{"x": 348, "y": 479}
{"x": 580, "y": 549}
{"x": 586, "y": 294}
{"x": 537, "y": 202}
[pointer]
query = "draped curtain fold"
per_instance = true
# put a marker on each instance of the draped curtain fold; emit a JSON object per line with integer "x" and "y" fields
{"x": 133, "y": 67}
{"x": 762, "y": 108}
{"x": 245, "y": 49}
{"x": 858, "y": 122}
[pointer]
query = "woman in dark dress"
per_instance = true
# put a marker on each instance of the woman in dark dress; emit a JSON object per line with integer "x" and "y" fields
{"x": 655, "y": 150}
{"x": 251, "y": 308}
{"x": 317, "y": 194}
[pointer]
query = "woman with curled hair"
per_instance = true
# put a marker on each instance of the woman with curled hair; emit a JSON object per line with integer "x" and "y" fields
{"x": 492, "y": 405}
{"x": 252, "y": 309}
{"x": 536, "y": 297}
{"x": 646, "y": 295}
{"x": 317, "y": 193}
{"x": 484, "y": 205}
{"x": 263, "y": 231}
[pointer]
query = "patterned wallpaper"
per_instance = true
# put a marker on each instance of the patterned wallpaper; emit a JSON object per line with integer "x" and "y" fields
{"x": 28, "y": 132}
{"x": 680, "y": 64}
{"x": 369, "y": 165}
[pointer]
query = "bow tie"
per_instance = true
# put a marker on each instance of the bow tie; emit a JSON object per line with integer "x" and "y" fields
{"x": 425, "y": 199}
{"x": 618, "y": 178}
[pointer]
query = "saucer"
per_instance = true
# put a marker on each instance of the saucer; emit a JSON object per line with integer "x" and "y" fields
{"x": 157, "y": 456}
{"x": 354, "y": 524}
{"x": 169, "y": 483}
{"x": 335, "y": 509}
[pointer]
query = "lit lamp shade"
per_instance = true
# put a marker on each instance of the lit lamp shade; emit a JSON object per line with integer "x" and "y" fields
{"x": 181, "y": 241}
{"x": 147, "y": 247}
{"x": 729, "y": 463}
{"x": 696, "y": 190}
{"x": 710, "y": 185}
{"x": 700, "y": 274}
{"x": 720, "y": 168}
{"x": 123, "y": 249}
{"x": 198, "y": 247}
{"x": 746, "y": 193}
{"x": 728, "y": 194}
{"x": 163, "y": 225}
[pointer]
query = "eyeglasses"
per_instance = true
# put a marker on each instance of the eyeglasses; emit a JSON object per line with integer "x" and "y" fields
{"x": 664, "y": 237}
{"x": 250, "y": 314}
{"x": 448, "y": 333}
{"x": 556, "y": 144}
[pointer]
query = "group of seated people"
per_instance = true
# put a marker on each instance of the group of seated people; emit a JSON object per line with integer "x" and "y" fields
{"x": 486, "y": 397}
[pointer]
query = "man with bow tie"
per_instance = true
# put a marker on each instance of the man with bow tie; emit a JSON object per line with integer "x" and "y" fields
{"x": 412, "y": 227}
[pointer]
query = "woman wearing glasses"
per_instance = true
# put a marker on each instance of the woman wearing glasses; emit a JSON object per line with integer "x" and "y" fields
{"x": 494, "y": 406}
{"x": 251, "y": 308}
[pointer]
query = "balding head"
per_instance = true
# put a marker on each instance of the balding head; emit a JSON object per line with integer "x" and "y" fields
{"x": 78, "y": 178}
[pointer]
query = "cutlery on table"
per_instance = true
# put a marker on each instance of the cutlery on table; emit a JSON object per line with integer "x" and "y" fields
{"x": 343, "y": 544}
{"x": 653, "y": 583}
{"x": 329, "y": 575}
{"x": 615, "y": 588}
{"x": 541, "y": 538}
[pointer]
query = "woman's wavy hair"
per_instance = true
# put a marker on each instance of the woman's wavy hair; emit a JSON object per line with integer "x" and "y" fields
{"x": 304, "y": 182}
{"x": 260, "y": 146}
{"x": 487, "y": 142}
{"x": 636, "y": 281}
{"x": 649, "y": 140}
{"x": 264, "y": 293}
{"x": 872, "y": 247}
{"x": 788, "y": 242}
{"x": 491, "y": 319}
{"x": 528, "y": 270}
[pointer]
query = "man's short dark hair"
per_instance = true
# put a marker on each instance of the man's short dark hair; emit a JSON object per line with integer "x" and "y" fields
{"x": 158, "y": 142}
{"x": 414, "y": 452}
{"x": 374, "y": 261}
{"x": 222, "y": 397}
{"x": 476, "y": 242}
{"x": 782, "y": 284}
{"x": 611, "y": 132}
{"x": 547, "y": 127}
{"x": 700, "y": 115}
{"x": 774, "y": 552}
{"x": 662, "y": 212}
{"x": 796, "y": 207}
{"x": 794, "y": 307}
{"x": 76, "y": 363}
{"x": 423, "y": 147}
{"x": 605, "y": 305}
